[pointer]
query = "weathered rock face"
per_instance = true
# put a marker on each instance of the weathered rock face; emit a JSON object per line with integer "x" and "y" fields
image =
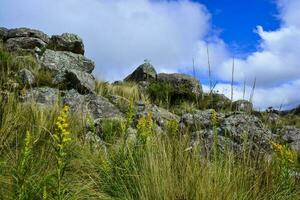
{"x": 26, "y": 32}
{"x": 26, "y": 77}
{"x": 96, "y": 106}
{"x": 83, "y": 82}
{"x": 23, "y": 39}
{"x": 67, "y": 42}
{"x": 26, "y": 43}
{"x": 160, "y": 116}
{"x": 44, "y": 96}
{"x": 181, "y": 83}
{"x": 144, "y": 72}
{"x": 200, "y": 119}
{"x": 291, "y": 135}
{"x": 235, "y": 127}
{"x": 60, "y": 61}
{"x": 242, "y": 105}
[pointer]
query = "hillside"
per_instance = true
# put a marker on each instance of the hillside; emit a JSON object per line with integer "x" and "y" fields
{"x": 66, "y": 135}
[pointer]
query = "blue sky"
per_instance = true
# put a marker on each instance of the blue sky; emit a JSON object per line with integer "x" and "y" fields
{"x": 262, "y": 35}
{"x": 236, "y": 21}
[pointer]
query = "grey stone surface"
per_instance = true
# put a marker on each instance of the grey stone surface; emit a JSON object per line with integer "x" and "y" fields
{"x": 144, "y": 72}
{"x": 181, "y": 83}
{"x": 67, "y": 42}
{"x": 91, "y": 104}
{"x": 26, "y": 77}
{"x": 24, "y": 43}
{"x": 291, "y": 135}
{"x": 60, "y": 61}
{"x": 45, "y": 96}
{"x": 26, "y": 32}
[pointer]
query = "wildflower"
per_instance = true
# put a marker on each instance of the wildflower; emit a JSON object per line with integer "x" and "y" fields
{"x": 286, "y": 154}
{"x": 144, "y": 127}
{"x": 61, "y": 138}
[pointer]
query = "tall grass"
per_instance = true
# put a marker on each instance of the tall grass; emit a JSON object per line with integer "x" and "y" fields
{"x": 148, "y": 166}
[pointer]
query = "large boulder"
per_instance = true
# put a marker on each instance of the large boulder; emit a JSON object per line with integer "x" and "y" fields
{"x": 26, "y": 32}
{"x": 237, "y": 128}
{"x": 60, "y": 61}
{"x": 242, "y": 127}
{"x": 83, "y": 82}
{"x": 242, "y": 106}
{"x": 67, "y": 42}
{"x": 200, "y": 119}
{"x": 144, "y": 72}
{"x": 181, "y": 83}
{"x": 91, "y": 104}
{"x": 291, "y": 135}
{"x": 24, "y": 43}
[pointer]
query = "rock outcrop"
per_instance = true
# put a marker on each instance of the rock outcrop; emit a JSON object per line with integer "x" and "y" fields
{"x": 182, "y": 83}
{"x": 291, "y": 135}
{"x": 92, "y": 104}
{"x": 145, "y": 72}
{"x": 24, "y": 39}
{"x": 60, "y": 61}
{"x": 233, "y": 127}
{"x": 67, "y": 42}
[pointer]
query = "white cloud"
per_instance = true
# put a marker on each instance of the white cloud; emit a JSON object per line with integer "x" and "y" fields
{"x": 275, "y": 64}
{"x": 120, "y": 34}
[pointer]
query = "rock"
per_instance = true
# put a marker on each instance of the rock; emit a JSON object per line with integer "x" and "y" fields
{"x": 242, "y": 106}
{"x": 160, "y": 116}
{"x": 67, "y": 42}
{"x": 144, "y": 72}
{"x": 122, "y": 103}
{"x": 241, "y": 126}
{"x": 44, "y": 96}
{"x": 26, "y": 77}
{"x": 24, "y": 43}
{"x": 181, "y": 83}
{"x": 83, "y": 82}
{"x": 215, "y": 101}
{"x": 26, "y": 32}
{"x": 273, "y": 119}
{"x": 200, "y": 119}
{"x": 96, "y": 106}
{"x": 235, "y": 127}
{"x": 291, "y": 135}
{"x": 60, "y": 61}
{"x": 3, "y": 33}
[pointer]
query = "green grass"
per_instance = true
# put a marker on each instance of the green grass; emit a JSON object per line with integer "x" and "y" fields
{"x": 160, "y": 167}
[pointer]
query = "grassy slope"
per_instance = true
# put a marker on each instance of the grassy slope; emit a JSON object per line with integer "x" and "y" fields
{"x": 150, "y": 167}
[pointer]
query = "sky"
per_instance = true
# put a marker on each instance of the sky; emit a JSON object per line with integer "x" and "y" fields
{"x": 263, "y": 37}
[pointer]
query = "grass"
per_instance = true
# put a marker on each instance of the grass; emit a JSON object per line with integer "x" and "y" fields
{"x": 148, "y": 167}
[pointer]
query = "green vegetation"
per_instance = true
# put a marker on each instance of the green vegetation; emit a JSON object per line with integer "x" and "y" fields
{"x": 34, "y": 163}
{"x": 167, "y": 96}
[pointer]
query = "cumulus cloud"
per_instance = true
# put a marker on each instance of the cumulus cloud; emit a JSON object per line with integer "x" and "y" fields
{"x": 275, "y": 64}
{"x": 120, "y": 34}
